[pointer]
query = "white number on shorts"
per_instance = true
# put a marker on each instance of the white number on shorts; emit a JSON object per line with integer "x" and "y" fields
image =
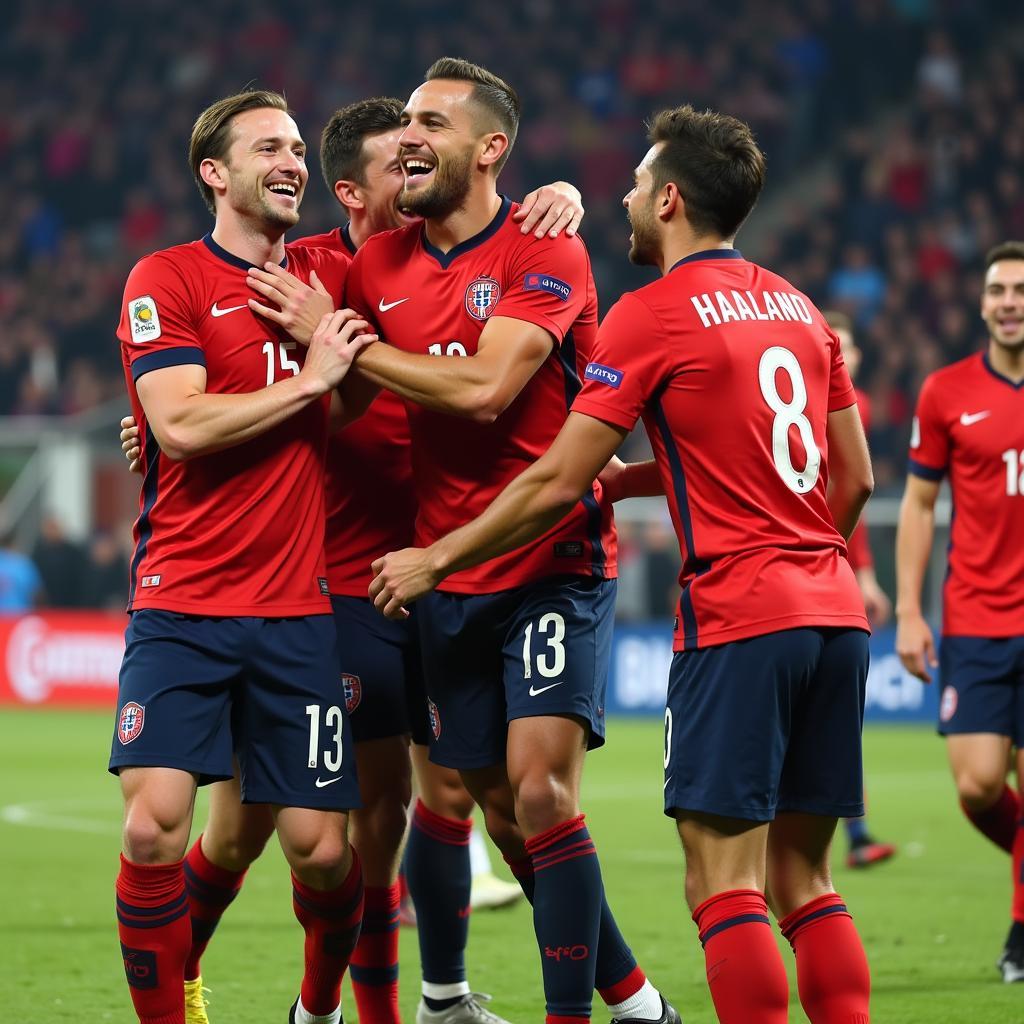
{"x": 333, "y": 719}
{"x": 789, "y": 414}
{"x": 668, "y": 736}
{"x": 556, "y": 665}
{"x": 1014, "y": 472}
{"x": 282, "y": 350}
{"x": 454, "y": 348}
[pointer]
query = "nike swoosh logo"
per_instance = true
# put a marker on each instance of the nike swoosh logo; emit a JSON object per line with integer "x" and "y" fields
{"x": 968, "y": 418}
{"x": 383, "y": 306}
{"x": 320, "y": 783}
{"x": 215, "y": 311}
{"x": 667, "y": 781}
{"x": 536, "y": 693}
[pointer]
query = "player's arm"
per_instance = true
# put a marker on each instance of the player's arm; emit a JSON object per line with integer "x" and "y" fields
{"x": 915, "y": 532}
{"x": 631, "y": 479}
{"x": 551, "y": 209}
{"x": 187, "y": 421}
{"x": 353, "y": 396}
{"x": 297, "y": 307}
{"x": 480, "y": 387}
{"x": 850, "y": 480}
{"x": 532, "y": 503}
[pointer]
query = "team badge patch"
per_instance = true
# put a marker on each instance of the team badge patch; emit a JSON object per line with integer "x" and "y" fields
{"x": 947, "y": 707}
{"x": 129, "y": 725}
{"x": 547, "y": 283}
{"x": 352, "y": 688}
{"x": 481, "y": 297}
{"x": 435, "y": 718}
{"x": 144, "y": 319}
{"x": 604, "y": 374}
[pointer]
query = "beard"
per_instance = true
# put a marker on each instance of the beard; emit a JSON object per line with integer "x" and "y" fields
{"x": 645, "y": 250}
{"x": 446, "y": 193}
{"x": 253, "y": 203}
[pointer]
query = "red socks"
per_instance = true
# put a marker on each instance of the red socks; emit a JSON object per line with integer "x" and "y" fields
{"x": 153, "y": 923}
{"x": 1018, "y": 873}
{"x": 831, "y": 969}
{"x": 745, "y": 971}
{"x": 998, "y": 822}
{"x": 331, "y": 922}
{"x": 211, "y": 889}
{"x": 374, "y": 966}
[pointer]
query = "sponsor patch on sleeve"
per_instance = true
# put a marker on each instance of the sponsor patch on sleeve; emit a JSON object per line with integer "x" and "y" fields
{"x": 144, "y": 318}
{"x": 603, "y": 374}
{"x": 547, "y": 283}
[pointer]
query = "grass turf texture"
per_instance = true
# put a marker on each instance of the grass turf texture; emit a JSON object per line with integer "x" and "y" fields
{"x": 933, "y": 919}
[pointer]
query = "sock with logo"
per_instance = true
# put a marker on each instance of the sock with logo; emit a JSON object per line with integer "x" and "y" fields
{"x": 438, "y": 874}
{"x": 211, "y": 890}
{"x": 374, "y": 966}
{"x": 831, "y": 969}
{"x": 617, "y": 977}
{"x": 331, "y": 922}
{"x": 567, "y": 899}
{"x": 745, "y": 972}
{"x": 153, "y": 924}
{"x": 998, "y": 822}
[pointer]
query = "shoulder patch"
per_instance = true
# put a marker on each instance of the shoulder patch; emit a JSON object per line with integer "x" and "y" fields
{"x": 547, "y": 283}
{"x": 604, "y": 374}
{"x": 144, "y": 319}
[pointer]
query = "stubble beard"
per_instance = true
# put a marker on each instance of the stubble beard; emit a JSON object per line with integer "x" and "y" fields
{"x": 446, "y": 194}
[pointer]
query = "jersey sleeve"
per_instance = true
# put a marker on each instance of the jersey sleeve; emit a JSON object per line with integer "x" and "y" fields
{"x": 158, "y": 322}
{"x": 550, "y": 284}
{"x": 929, "y": 436}
{"x": 841, "y": 394}
{"x": 627, "y": 366}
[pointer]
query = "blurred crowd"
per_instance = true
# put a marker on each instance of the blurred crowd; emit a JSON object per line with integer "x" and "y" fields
{"x": 909, "y": 105}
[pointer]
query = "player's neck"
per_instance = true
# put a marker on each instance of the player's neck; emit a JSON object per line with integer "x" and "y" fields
{"x": 677, "y": 247}
{"x": 1009, "y": 362}
{"x": 480, "y": 208}
{"x": 240, "y": 239}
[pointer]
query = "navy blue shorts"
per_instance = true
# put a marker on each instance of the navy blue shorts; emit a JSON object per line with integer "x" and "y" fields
{"x": 982, "y": 686}
{"x": 768, "y": 724}
{"x": 193, "y": 690}
{"x": 539, "y": 649}
{"x": 381, "y": 673}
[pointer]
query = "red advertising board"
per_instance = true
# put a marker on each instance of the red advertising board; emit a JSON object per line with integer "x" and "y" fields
{"x": 61, "y": 658}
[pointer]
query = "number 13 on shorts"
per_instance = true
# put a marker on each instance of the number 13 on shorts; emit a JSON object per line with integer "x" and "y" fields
{"x": 550, "y": 658}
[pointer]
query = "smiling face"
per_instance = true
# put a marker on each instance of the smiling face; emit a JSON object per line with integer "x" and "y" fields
{"x": 1002, "y": 303}
{"x": 263, "y": 174}
{"x": 383, "y": 181}
{"x": 438, "y": 146}
{"x": 644, "y": 242}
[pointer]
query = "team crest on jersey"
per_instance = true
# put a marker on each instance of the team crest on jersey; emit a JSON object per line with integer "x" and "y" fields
{"x": 481, "y": 297}
{"x": 352, "y": 688}
{"x": 947, "y": 707}
{"x": 435, "y": 718}
{"x": 144, "y": 319}
{"x": 129, "y": 724}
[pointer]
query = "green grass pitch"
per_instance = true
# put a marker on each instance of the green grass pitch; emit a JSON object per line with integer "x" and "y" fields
{"x": 933, "y": 920}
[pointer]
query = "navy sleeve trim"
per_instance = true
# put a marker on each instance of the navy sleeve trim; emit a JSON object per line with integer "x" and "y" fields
{"x": 185, "y": 356}
{"x": 927, "y": 472}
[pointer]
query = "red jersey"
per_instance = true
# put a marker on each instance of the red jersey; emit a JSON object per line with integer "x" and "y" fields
{"x": 734, "y": 373}
{"x": 970, "y": 424}
{"x": 858, "y": 547}
{"x": 237, "y": 532}
{"x": 371, "y": 506}
{"x": 429, "y": 302}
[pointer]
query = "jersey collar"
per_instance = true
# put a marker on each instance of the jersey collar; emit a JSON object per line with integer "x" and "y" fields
{"x": 445, "y": 259}
{"x": 346, "y": 238}
{"x": 708, "y": 254}
{"x": 234, "y": 261}
{"x": 999, "y": 376}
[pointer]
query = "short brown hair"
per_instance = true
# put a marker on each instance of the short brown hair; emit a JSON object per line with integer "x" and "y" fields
{"x": 714, "y": 161}
{"x": 341, "y": 144}
{"x": 1004, "y": 251}
{"x": 211, "y": 134}
{"x": 838, "y": 320}
{"x": 494, "y": 96}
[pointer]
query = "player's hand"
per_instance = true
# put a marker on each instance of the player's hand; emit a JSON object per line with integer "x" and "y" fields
{"x": 335, "y": 343}
{"x": 400, "y": 578}
{"x": 300, "y": 306}
{"x": 130, "y": 444}
{"x": 876, "y": 601}
{"x": 550, "y": 210}
{"x": 915, "y": 645}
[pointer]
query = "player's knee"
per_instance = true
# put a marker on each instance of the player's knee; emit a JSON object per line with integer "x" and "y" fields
{"x": 151, "y": 838}
{"x": 977, "y": 791}
{"x": 543, "y": 801}
{"x": 235, "y": 851}
{"x": 322, "y": 864}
